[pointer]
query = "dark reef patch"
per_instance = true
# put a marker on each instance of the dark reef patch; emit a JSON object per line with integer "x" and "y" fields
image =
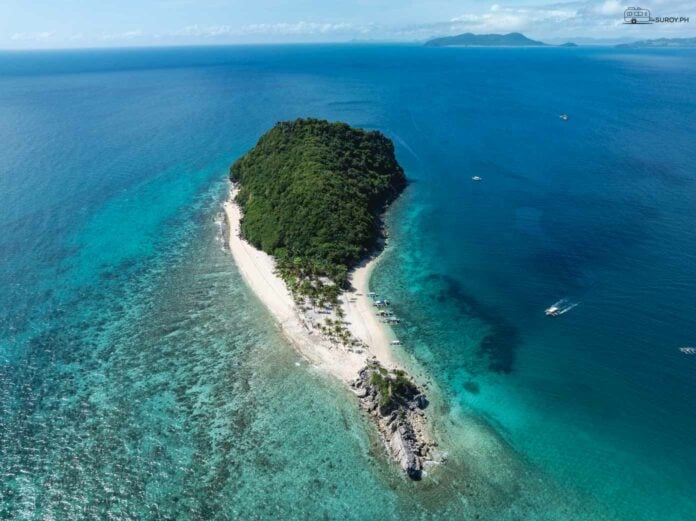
{"x": 472, "y": 387}
{"x": 500, "y": 343}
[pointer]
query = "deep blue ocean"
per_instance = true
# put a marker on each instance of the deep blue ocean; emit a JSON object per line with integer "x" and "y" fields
{"x": 141, "y": 379}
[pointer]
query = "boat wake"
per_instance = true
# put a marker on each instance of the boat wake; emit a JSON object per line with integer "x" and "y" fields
{"x": 561, "y": 307}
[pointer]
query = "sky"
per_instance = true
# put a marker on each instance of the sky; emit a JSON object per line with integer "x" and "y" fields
{"x": 28, "y": 24}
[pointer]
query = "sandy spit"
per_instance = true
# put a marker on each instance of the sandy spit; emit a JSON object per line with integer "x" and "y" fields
{"x": 258, "y": 270}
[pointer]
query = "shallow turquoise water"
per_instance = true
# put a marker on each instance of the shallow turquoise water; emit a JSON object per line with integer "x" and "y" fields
{"x": 140, "y": 379}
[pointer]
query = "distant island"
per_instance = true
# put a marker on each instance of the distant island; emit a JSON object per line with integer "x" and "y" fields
{"x": 484, "y": 40}
{"x": 304, "y": 217}
{"x": 660, "y": 43}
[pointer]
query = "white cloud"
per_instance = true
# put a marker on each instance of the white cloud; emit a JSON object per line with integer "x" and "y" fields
{"x": 557, "y": 21}
{"x": 561, "y": 20}
{"x": 205, "y": 31}
{"x": 307, "y": 28}
{"x": 302, "y": 28}
{"x": 31, "y": 36}
{"x": 610, "y": 7}
{"x": 501, "y": 18}
{"x": 127, "y": 35}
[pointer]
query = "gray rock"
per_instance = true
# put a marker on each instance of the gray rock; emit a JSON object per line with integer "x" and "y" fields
{"x": 403, "y": 451}
{"x": 404, "y": 444}
{"x": 421, "y": 401}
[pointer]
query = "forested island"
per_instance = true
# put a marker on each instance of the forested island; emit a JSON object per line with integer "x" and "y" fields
{"x": 312, "y": 193}
{"x": 305, "y": 212}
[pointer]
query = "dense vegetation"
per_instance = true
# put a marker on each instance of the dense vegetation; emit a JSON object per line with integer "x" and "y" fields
{"x": 312, "y": 193}
{"x": 394, "y": 389}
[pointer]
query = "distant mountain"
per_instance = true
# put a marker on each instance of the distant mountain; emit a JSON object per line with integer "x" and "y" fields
{"x": 660, "y": 42}
{"x": 484, "y": 40}
{"x": 568, "y": 44}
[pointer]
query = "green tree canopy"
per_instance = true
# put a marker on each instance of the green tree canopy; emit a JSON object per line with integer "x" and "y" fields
{"x": 312, "y": 193}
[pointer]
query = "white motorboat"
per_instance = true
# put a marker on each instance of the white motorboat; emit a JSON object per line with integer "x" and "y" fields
{"x": 553, "y": 311}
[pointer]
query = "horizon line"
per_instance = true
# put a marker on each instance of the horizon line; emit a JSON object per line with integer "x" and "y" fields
{"x": 307, "y": 43}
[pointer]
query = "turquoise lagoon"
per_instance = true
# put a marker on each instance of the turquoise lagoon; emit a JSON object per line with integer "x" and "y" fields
{"x": 140, "y": 379}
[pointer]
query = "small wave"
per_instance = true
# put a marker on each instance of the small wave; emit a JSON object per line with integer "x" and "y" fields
{"x": 221, "y": 234}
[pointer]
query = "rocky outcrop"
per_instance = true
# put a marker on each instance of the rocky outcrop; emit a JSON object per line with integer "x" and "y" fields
{"x": 397, "y": 406}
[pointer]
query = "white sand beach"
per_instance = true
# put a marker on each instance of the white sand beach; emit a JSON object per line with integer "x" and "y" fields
{"x": 258, "y": 270}
{"x": 362, "y": 321}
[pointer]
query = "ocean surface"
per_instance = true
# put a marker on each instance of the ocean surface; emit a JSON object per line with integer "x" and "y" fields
{"x": 140, "y": 378}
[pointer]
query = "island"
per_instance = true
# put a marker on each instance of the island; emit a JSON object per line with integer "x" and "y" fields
{"x": 660, "y": 43}
{"x": 305, "y": 229}
{"x": 484, "y": 40}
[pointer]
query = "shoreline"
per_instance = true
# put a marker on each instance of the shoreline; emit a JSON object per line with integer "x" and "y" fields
{"x": 258, "y": 271}
{"x": 361, "y": 319}
{"x": 405, "y": 432}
